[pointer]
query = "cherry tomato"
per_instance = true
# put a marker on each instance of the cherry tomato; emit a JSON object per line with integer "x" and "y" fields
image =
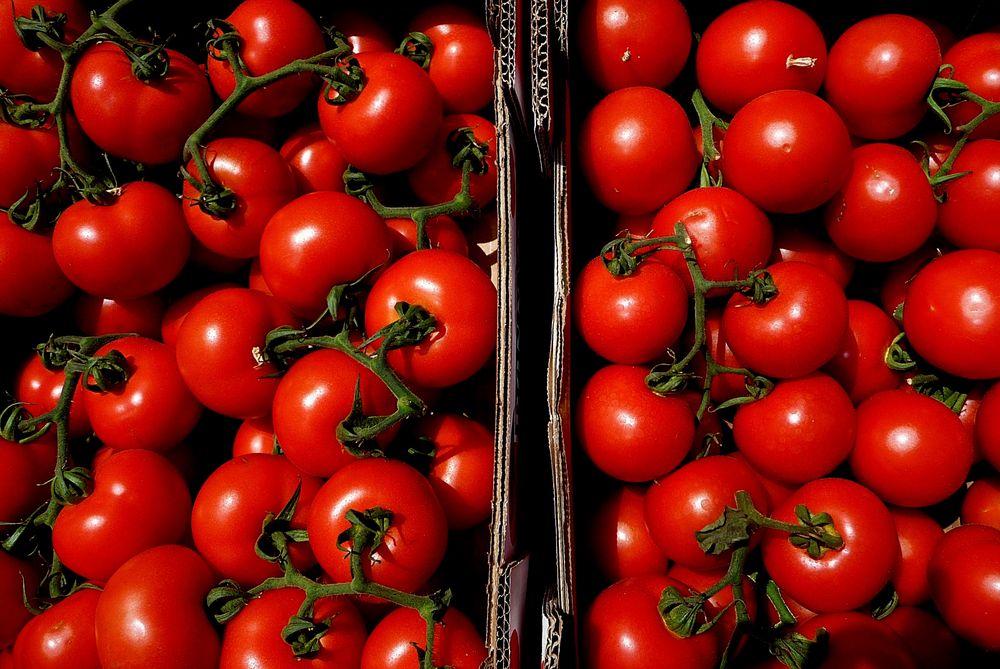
{"x": 442, "y": 233}
{"x": 436, "y": 179}
{"x": 61, "y": 636}
{"x": 29, "y": 70}
{"x": 619, "y": 539}
{"x": 974, "y": 199}
{"x": 973, "y": 59}
{"x": 40, "y": 389}
{"x": 394, "y": 641}
{"x": 859, "y": 366}
{"x": 32, "y": 158}
{"x": 962, "y": 572}
{"x": 31, "y": 283}
{"x": 918, "y": 535}
{"x": 858, "y": 640}
{"x": 315, "y": 161}
{"x": 25, "y": 471}
{"x": 981, "y": 503}
{"x": 100, "y": 315}
{"x": 254, "y": 435}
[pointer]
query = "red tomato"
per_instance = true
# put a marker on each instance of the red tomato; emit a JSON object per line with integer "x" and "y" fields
{"x": 25, "y": 470}
{"x": 36, "y": 71}
{"x": 809, "y": 310}
{"x": 139, "y": 501}
{"x": 621, "y": 43}
{"x": 918, "y": 535}
{"x": 315, "y": 161}
{"x": 858, "y": 640}
{"x": 974, "y": 199}
{"x": 100, "y": 316}
{"x": 974, "y": 61}
{"x": 952, "y": 314}
{"x": 461, "y": 64}
{"x": 757, "y": 47}
{"x": 636, "y": 150}
{"x": 462, "y": 301}
{"x": 442, "y": 233}
{"x": 32, "y": 158}
{"x": 253, "y": 638}
{"x": 840, "y": 579}
{"x": 803, "y": 429}
{"x": 630, "y": 319}
{"x": 40, "y": 389}
{"x": 788, "y": 151}
{"x": 628, "y": 431}
{"x": 272, "y": 33}
{"x": 963, "y": 571}
{"x": 254, "y": 435}
{"x": 151, "y": 613}
{"x": 391, "y": 125}
{"x": 898, "y": 275}
{"x": 145, "y": 121}
{"x": 932, "y": 644}
{"x": 61, "y": 636}
{"x": 416, "y": 540}
{"x": 362, "y": 31}
{"x": 619, "y": 539}
{"x": 981, "y": 503}
{"x": 393, "y": 642}
{"x": 693, "y": 496}
{"x": 724, "y": 386}
{"x": 16, "y": 578}
{"x": 436, "y": 179}
{"x": 987, "y": 426}
{"x": 31, "y": 283}
{"x": 859, "y": 366}
{"x": 153, "y": 409}
{"x": 218, "y": 347}
{"x": 178, "y": 310}
{"x": 700, "y": 581}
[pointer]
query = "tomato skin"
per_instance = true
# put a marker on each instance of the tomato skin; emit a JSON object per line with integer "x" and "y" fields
{"x": 788, "y": 151}
{"x": 974, "y": 199}
{"x": 143, "y": 121}
{"x": 962, "y": 573}
{"x": 35, "y": 72}
{"x": 858, "y": 640}
{"x": 362, "y": 32}
{"x": 442, "y": 233}
{"x": 16, "y": 577}
{"x": 918, "y": 535}
{"x": 24, "y": 471}
{"x": 619, "y": 539}
{"x": 151, "y": 613}
{"x": 40, "y": 389}
{"x": 32, "y": 158}
{"x": 314, "y": 160}
{"x": 457, "y": 642}
{"x": 139, "y": 501}
{"x": 859, "y": 366}
{"x": 841, "y": 579}
{"x": 153, "y": 409}
{"x": 253, "y": 638}
{"x": 435, "y": 180}
{"x": 31, "y": 283}
{"x": 99, "y": 316}
{"x": 932, "y": 644}
{"x": 623, "y": 45}
{"x": 746, "y": 50}
{"x": 809, "y": 310}
{"x": 61, "y": 636}
{"x": 254, "y": 435}
{"x": 178, "y": 310}
{"x": 981, "y": 503}
{"x": 974, "y": 61}
{"x": 636, "y": 150}
{"x": 952, "y": 314}
{"x": 391, "y": 125}
{"x": 640, "y": 640}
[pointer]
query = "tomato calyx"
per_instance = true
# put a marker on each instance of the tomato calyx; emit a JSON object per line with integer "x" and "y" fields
{"x": 798, "y": 651}
{"x": 684, "y": 615}
{"x": 277, "y": 532}
{"x": 303, "y": 634}
{"x": 418, "y": 47}
{"x": 368, "y": 530}
{"x": 949, "y": 390}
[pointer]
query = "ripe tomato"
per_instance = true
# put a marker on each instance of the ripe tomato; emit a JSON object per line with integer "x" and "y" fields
{"x": 153, "y": 409}
{"x": 757, "y": 47}
{"x": 253, "y": 638}
{"x": 61, "y": 636}
{"x": 25, "y": 469}
{"x": 788, "y": 151}
{"x": 859, "y": 366}
{"x": 981, "y": 503}
{"x": 16, "y": 578}
{"x": 179, "y": 308}
{"x": 99, "y": 315}
{"x": 918, "y": 535}
{"x": 40, "y": 389}
{"x": 974, "y": 199}
{"x": 636, "y": 150}
{"x": 361, "y": 30}
{"x": 701, "y": 580}
{"x": 36, "y": 71}
{"x": 840, "y": 579}
{"x": 393, "y": 642}
{"x": 31, "y": 283}
{"x": 442, "y": 233}
{"x": 145, "y": 121}
{"x": 963, "y": 572}
{"x": 391, "y": 125}
{"x": 151, "y": 613}
{"x": 315, "y": 161}
{"x": 879, "y": 73}
{"x": 254, "y": 435}
{"x": 926, "y": 636}
{"x": 622, "y": 43}
{"x": 416, "y": 540}
{"x": 858, "y": 640}
{"x": 462, "y": 301}
{"x": 952, "y": 314}
{"x": 32, "y": 158}
{"x": 618, "y": 538}
{"x": 435, "y": 179}
{"x": 139, "y": 500}
{"x": 974, "y": 61}
{"x": 794, "y": 333}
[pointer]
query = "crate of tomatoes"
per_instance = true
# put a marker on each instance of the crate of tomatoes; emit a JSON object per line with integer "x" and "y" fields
{"x": 778, "y": 274}
{"x": 257, "y": 297}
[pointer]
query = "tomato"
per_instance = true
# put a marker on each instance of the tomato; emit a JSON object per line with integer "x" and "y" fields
{"x": 618, "y": 538}
{"x": 40, "y": 389}
{"x": 757, "y": 47}
{"x": 898, "y": 275}
{"x": 879, "y": 73}
{"x": 31, "y": 283}
{"x": 794, "y": 333}
{"x": 16, "y": 578}
{"x": 36, "y": 71}
{"x": 621, "y": 42}
{"x": 462, "y": 301}
{"x": 693, "y": 496}
{"x": 391, "y": 125}
{"x": 636, "y": 151}
{"x": 362, "y": 31}
{"x": 218, "y": 351}
{"x": 803, "y": 429}
{"x": 435, "y": 179}
{"x": 61, "y": 636}
{"x": 788, "y": 151}
{"x": 139, "y": 500}
{"x": 253, "y": 638}
{"x": 261, "y": 182}
{"x": 729, "y": 234}
{"x": 442, "y": 233}
{"x": 952, "y": 314}
{"x": 918, "y": 535}
{"x": 630, "y": 319}
{"x": 315, "y": 161}
{"x": 640, "y": 639}
{"x": 973, "y": 59}
{"x": 981, "y": 503}
{"x": 628, "y": 431}
{"x": 461, "y": 64}
{"x": 859, "y": 366}
{"x": 929, "y": 640}
{"x": 314, "y": 397}
{"x": 318, "y": 241}
{"x": 886, "y": 208}
{"x": 700, "y": 581}
{"x": 99, "y": 315}
{"x": 151, "y": 613}
{"x": 32, "y": 158}
{"x": 254, "y": 435}
{"x": 972, "y": 200}
{"x": 844, "y": 578}
{"x": 416, "y": 540}
{"x": 127, "y": 249}
{"x": 25, "y": 470}
{"x": 272, "y": 33}
{"x": 145, "y": 121}
{"x": 986, "y": 431}
{"x": 178, "y": 310}
{"x": 963, "y": 572}
{"x": 393, "y": 642}
{"x": 857, "y": 640}
{"x": 727, "y": 385}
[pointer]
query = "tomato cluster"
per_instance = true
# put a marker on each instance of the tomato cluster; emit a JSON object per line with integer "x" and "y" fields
{"x": 248, "y": 280}
{"x": 786, "y": 316}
